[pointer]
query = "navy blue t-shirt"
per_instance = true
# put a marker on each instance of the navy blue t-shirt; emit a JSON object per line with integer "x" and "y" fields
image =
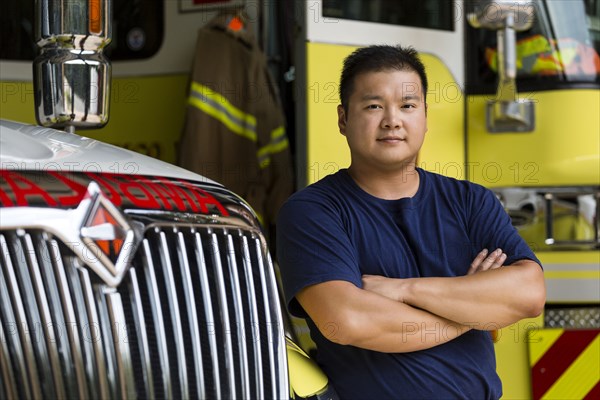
{"x": 333, "y": 230}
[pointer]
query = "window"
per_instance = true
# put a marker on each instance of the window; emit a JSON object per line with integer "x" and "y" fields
{"x": 137, "y": 30}
{"x": 561, "y": 48}
{"x": 430, "y": 14}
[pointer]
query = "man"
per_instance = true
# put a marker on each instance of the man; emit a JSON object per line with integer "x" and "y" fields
{"x": 385, "y": 260}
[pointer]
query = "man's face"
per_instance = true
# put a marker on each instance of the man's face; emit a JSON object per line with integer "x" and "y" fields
{"x": 386, "y": 120}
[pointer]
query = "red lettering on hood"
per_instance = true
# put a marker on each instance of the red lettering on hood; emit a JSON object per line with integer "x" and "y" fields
{"x": 24, "y": 188}
{"x": 110, "y": 192}
{"x": 135, "y": 191}
{"x": 205, "y": 199}
{"x": 169, "y": 193}
{"x": 138, "y": 191}
{"x": 70, "y": 200}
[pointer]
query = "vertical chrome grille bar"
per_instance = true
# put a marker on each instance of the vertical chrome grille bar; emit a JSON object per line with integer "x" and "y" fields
{"x": 81, "y": 322}
{"x": 222, "y": 297}
{"x": 157, "y": 316}
{"x": 208, "y": 311}
{"x": 123, "y": 354}
{"x": 94, "y": 321}
{"x": 239, "y": 316}
{"x": 106, "y": 340}
{"x": 140, "y": 332}
{"x": 188, "y": 292}
{"x": 32, "y": 386}
{"x": 8, "y": 385}
{"x": 254, "y": 320}
{"x": 281, "y": 379}
{"x": 70, "y": 318}
{"x": 268, "y": 321}
{"x": 48, "y": 334}
{"x": 6, "y": 365}
{"x": 66, "y": 367}
{"x": 175, "y": 317}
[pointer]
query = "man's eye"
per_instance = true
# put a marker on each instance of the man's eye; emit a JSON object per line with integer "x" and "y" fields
{"x": 409, "y": 106}
{"x": 373, "y": 106}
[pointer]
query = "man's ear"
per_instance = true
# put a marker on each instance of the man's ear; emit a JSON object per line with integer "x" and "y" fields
{"x": 341, "y": 119}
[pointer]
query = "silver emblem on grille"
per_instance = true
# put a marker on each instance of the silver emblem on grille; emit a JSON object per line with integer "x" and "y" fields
{"x": 96, "y": 232}
{"x": 108, "y": 238}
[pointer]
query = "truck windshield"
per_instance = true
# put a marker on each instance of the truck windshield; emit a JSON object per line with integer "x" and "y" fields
{"x": 561, "y": 48}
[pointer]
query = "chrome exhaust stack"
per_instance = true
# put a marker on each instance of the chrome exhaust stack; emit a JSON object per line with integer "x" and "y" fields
{"x": 71, "y": 75}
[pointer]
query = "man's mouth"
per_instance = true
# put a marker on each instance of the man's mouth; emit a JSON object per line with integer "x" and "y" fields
{"x": 391, "y": 139}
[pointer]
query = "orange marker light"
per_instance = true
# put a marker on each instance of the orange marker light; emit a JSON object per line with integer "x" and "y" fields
{"x": 95, "y": 14}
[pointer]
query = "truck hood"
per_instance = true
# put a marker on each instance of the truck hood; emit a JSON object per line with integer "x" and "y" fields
{"x": 28, "y": 147}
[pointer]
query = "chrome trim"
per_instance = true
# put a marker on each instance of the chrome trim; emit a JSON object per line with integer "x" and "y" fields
{"x": 54, "y": 302}
{"x": 254, "y": 319}
{"x": 46, "y": 317}
{"x": 239, "y": 316}
{"x": 221, "y": 279}
{"x": 67, "y": 224}
{"x": 125, "y": 366}
{"x": 70, "y": 318}
{"x": 71, "y": 74}
{"x": 539, "y": 212}
{"x": 107, "y": 341}
{"x": 93, "y": 321}
{"x": 81, "y": 322}
{"x": 268, "y": 320}
{"x": 6, "y": 368}
{"x": 33, "y": 389}
{"x": 222, "y": 298}
{"x": 208, "y": 311}
{"x": 175, "y": 316}
{"x": 156, "y": 309}
{"x": 192, "y": 313}
{"x": 140, "y": 333}
{"x": 282, "y": 377}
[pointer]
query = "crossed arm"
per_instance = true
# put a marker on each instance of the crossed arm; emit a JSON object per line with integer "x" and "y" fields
{"x": 401, "y": 315}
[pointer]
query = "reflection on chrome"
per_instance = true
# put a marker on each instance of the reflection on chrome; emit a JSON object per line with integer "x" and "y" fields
{"x": 554, "y": 218}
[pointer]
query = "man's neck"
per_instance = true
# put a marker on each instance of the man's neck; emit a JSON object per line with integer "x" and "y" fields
{"x": 387, "y": 185}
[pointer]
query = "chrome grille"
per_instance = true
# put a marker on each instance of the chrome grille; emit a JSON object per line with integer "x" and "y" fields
{"x": 197, "y": 316}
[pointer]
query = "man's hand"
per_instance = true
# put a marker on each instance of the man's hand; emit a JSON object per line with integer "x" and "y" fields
{"x": 394, "y": 288}
{"x": 484, "y": 262}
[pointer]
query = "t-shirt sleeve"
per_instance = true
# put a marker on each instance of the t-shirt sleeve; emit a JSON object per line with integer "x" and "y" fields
{"x": 312, "y": 247}
{"x": 491, "y": 227}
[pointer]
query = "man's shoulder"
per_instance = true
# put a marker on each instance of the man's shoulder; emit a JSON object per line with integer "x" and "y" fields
{"x": 317, "y": 198}
{"x": 446, "y": 183}
{"x": 324, "y": 188}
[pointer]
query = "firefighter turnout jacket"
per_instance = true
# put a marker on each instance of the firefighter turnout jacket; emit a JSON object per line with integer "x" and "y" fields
{"x": 234, "y": 129}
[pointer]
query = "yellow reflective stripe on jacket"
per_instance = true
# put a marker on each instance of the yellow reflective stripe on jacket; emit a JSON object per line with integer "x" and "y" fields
{"x": 218, "y": 107}
{"x": 278, "y": 142}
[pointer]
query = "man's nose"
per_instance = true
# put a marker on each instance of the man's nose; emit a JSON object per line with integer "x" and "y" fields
{"x": 391, "y": 120}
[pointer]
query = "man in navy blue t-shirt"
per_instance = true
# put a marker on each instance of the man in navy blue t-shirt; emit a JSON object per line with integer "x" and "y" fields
{"x": 389, "y": 263}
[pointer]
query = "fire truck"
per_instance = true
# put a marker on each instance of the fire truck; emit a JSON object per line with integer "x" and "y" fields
{"x": 121, "y": 275}
{"x": 513, "y": 104}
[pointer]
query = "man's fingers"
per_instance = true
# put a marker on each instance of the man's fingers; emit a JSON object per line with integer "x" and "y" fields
{"x": 484, "y": 262}
{"x": 499, "y": 261}
{"x": 477, "y": 261}
{"x": 490, "y": 261}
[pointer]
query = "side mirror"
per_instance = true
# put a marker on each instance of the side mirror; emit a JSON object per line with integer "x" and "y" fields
{"x": 71, "y": 75}
{"x": 506, "y": 113}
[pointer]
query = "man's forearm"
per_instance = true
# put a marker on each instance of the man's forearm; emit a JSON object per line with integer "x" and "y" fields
{"x": 487, "y": 300}
{"x": 348, "y": 315}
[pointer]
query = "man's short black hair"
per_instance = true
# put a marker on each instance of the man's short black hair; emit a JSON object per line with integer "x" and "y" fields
{"x": 379, "y": 58}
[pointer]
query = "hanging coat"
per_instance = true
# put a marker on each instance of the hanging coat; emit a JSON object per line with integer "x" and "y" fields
{"x": 234, "y": 129}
